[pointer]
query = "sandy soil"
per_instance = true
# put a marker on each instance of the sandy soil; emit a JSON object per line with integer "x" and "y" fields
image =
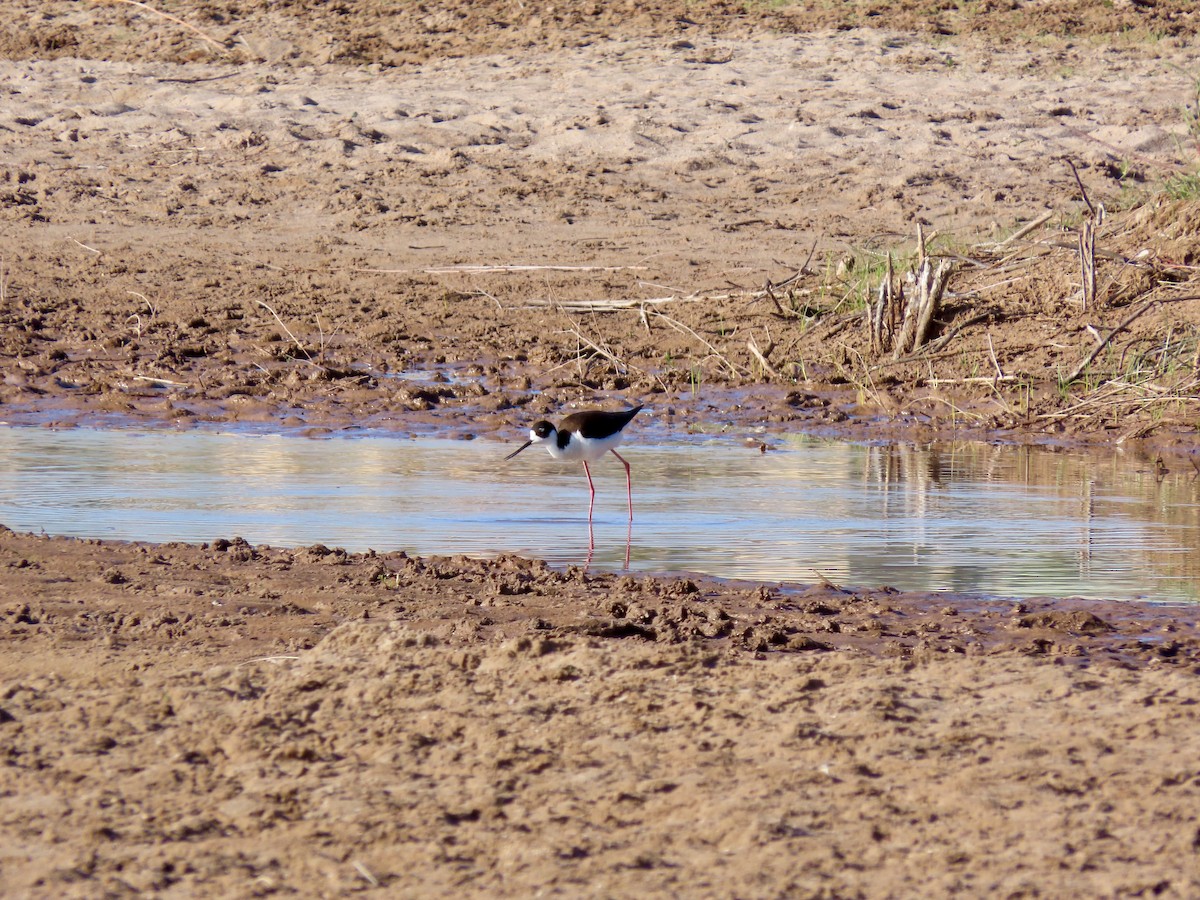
{"x": 461, "y": 216}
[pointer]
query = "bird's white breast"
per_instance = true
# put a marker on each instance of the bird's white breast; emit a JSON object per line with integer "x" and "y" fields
{"x": 580, "y": 448}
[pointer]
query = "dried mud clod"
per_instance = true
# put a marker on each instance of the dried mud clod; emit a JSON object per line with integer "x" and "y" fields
{"x": 1076, "y": 620}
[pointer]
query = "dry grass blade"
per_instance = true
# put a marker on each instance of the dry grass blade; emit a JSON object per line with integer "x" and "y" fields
{"x": 269, "y": 659}
{"x": 958, "y": 410}
{"x": 367, "y": 875}
{"x": 1112, "y": 400}
{"x": 170, "y": 18}
{"x": 992, "y": 353}
{"x": 288, "y": 331}
{"x": 1082, "y": 189}
{"x": 618, "y": 365}
{"x": 683, "y": 329}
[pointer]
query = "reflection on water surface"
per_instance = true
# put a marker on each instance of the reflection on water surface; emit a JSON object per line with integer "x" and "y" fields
{"x": 1006, "y": 521}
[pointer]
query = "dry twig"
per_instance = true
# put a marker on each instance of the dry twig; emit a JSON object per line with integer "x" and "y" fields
{"x": 618, "y": 365}
{"x": 1124, "y": 323}
{"x": 1027, "y": 228}
{"x": 684, "y": 329}
{"x": 761, "y": 356}
{"x": 170, "y": 18}
{"x": 288, "y": 331}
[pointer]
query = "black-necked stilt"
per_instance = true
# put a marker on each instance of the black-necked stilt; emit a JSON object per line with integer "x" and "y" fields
{"x": 585, "y": 435}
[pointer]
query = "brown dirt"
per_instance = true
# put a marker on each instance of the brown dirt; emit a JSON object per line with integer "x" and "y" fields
{"x": 230, "y": 720}
{"x": 276, "y": 231}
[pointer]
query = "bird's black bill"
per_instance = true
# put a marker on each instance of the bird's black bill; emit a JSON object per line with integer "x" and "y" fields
{"x": 518, "y": 450}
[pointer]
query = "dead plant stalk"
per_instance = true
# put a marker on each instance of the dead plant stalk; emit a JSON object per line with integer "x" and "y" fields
{"x": 922, "y": 306}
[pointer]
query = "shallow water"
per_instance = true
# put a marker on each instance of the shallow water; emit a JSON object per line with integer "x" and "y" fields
{"x": 994, "y": 520}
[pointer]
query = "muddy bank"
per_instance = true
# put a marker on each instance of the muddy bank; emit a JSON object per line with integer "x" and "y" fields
{"x": 237, "y": 719}
{"x": 637, "y": 218}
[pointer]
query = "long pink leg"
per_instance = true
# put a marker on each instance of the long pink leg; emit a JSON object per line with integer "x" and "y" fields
{"x": 592, "y": 488}
{"x": 591, "y": 545}
{"x": 628, "y": 482}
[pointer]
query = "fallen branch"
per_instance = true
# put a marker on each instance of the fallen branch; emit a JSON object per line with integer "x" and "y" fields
{"x": 977, "y": 379}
